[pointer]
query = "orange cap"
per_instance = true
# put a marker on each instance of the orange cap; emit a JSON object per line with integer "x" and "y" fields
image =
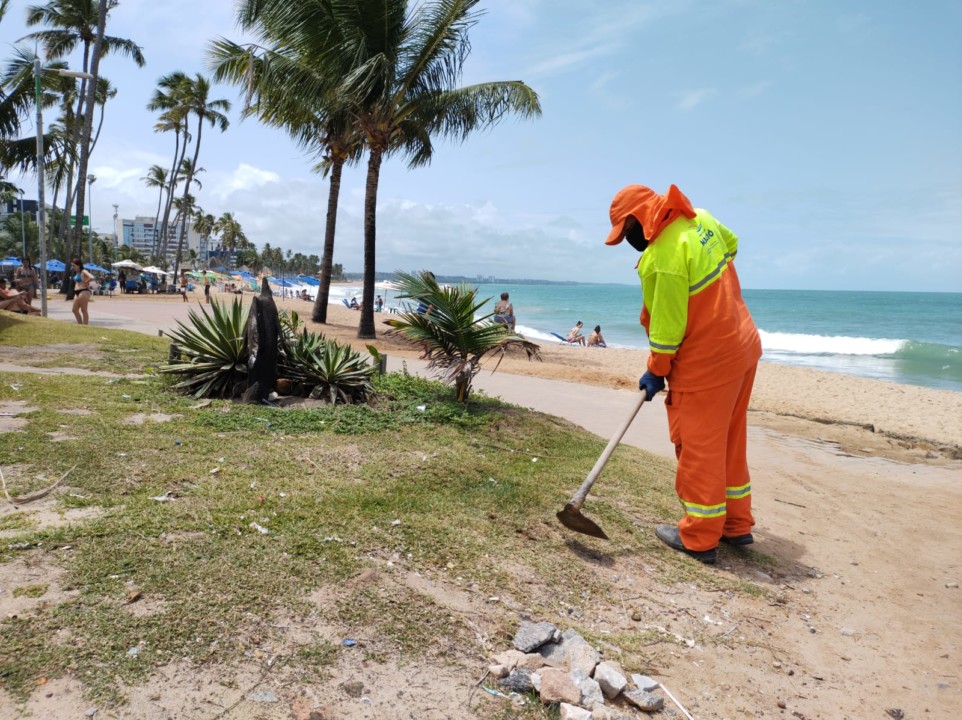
{"x": 655, "y": 212}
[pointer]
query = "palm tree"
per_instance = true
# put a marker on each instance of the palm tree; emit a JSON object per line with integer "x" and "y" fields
{"x": 73, "y": 23}
{"x": 156, "y": 177}
{"x": 315, "y": 124}
{"x": 17, "y": 104}
{"x": 196, "y": 100}
{"x": 173, "y": 118}
{"x": 204, "y": 225}
{"x": 396, "y": 73}
{"x": 231, "y": 233}
{"x": 453, "y": 341}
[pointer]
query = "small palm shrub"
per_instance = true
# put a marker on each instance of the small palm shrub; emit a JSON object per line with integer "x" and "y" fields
{"x": 452, "y": 339}
{"x": 210, "y": 352}
{"x": 322, "y": 368}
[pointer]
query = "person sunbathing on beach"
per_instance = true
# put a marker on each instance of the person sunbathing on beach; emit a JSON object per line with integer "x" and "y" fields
{"x": 14, "y": 300}
{"x": 596, "y": 339}
{"x": 574, "y": 335}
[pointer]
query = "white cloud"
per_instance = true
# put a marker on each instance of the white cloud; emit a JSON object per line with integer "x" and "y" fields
{"x": 693, "y": 98}
{"x": 245, "y": 177}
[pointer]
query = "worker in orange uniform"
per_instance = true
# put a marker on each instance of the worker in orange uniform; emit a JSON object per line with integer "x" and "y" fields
{"x": 704, "y": 343}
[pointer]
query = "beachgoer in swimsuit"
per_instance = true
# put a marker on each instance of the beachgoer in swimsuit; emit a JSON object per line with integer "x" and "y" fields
{"x": 596, "y": 339}
{"x": 183, "y": 285}
{"x": 25, "y": 279}
{"x": 81, "y": 290}
{"x": 14, "y": 300}
{"x": 207, "y": 289}
{"x": 504, "y": 312}
{"x": 574, "y": 335}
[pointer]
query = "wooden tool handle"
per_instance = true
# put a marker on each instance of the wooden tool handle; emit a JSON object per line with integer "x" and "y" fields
{"x": 578, "y": 499}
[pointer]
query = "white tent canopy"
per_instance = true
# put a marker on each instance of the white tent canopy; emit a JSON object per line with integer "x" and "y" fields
{"x": 126, "y": 264}
{"x": 154, "y": 270}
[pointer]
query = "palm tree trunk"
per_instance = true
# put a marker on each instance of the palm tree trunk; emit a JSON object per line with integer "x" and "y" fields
{"x": 366, "y": 329}
{"x": 190, "y": 178}
{"x": 319, "y": 314}
{"x": 174, "y": 172}
{"x": 88, "y": 120}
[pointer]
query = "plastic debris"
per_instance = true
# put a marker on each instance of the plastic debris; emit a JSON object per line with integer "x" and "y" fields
{"x": 259, "y": 528}
{"x": 166, "y": 497}
{"x": 348, "y": 642}
{"x": 395, "y": 522}
{"x": 422, "y": 408}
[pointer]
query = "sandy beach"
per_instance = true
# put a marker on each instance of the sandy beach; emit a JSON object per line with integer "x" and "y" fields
{"x": 899, "y": 421}
{"x": 856, "y": 486}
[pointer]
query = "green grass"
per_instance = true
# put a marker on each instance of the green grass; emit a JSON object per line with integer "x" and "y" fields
{"x": 465, "y": 495}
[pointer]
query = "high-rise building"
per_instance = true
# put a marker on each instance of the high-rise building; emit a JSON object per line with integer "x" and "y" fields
{"x": 141, "y": 233}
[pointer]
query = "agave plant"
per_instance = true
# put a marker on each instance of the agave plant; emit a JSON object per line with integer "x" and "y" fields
{"x": 335, "y": 372}
{"x": 453, "y": 339}
{"x": 210, "y": 352}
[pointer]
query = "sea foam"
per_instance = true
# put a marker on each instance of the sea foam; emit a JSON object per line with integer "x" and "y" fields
{"x": 829, "y": 344}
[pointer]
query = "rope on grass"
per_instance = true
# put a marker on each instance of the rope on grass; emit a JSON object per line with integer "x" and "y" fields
{"x": 33, "y": 496}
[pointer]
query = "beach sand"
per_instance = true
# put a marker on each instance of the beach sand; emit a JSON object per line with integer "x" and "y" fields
{"x": 857, "y": 491}
{"x": 896, "y": 421}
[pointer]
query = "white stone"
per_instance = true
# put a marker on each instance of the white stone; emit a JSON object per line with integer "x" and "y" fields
{"x": 573, "y": 712}
{"x": 591, "y": 694}
{"x": 643, "y": 682}
{"x": 611, "y": 681}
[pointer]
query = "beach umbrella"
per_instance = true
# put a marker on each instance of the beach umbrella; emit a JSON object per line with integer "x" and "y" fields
{"x": 10, "y": 262}
{"x": 155, "y": 270}
{"x": 95, "y": 268}
{"x": 55, "y": 266}
{"x": 126, "y": 264}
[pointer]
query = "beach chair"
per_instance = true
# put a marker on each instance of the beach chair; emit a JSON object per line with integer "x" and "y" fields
{"x": 564, "y": 340}
{"x": 346, "y": 303}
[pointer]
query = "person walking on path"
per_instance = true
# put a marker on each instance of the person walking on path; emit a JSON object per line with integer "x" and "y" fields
{"x": 183, "y": 285}
{"x": 81, "y": 290}
{"x": 207, "y": 289}
{"x": 705, "y": 344}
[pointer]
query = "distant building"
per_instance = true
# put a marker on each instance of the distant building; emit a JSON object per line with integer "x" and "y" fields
{"x": 141, "y": 234}
{"x": 12, "y": 207}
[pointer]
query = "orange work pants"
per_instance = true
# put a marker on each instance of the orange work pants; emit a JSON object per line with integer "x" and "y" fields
{"x": 708, "y": 429}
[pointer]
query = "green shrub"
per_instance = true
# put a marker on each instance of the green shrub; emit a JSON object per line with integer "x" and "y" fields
{"x": 322, "y": 368}
{"x": 210, "y": 352}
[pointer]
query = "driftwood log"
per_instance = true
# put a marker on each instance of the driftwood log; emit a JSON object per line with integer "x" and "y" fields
{"x": 262, "y": 334}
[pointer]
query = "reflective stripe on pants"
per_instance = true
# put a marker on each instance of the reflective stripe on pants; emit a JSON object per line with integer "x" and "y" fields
{"x": 708, "y": 429}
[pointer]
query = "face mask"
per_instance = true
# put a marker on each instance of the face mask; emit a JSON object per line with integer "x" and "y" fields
{"x": 636, "y": 238}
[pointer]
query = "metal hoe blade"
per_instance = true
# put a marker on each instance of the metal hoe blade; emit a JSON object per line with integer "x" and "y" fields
{"x": 572, "y": 519}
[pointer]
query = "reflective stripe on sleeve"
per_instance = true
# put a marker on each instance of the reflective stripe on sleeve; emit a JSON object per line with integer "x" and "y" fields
{"x": 704, "y": 511}
{"x": 658, "y": 347}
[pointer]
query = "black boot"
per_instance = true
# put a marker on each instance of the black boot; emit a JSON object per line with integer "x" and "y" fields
{"x": 669, "y": 535}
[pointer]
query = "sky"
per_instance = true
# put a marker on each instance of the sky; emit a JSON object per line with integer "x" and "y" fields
{"x": 827, "y": 135}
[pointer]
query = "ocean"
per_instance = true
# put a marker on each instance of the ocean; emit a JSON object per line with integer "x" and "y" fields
{"x": 907, "y": 338}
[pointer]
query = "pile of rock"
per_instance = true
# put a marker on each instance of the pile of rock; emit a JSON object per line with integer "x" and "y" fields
{"x": 563, "y": 667}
